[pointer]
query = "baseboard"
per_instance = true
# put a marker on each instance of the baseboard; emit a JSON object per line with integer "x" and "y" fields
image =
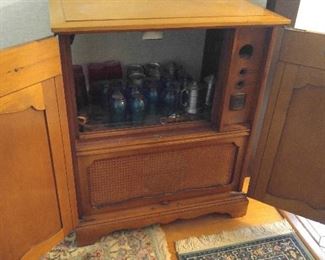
{"x": 91, "y": 229}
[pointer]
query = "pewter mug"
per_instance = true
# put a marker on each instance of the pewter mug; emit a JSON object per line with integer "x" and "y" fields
{"x": 191, "y": 92}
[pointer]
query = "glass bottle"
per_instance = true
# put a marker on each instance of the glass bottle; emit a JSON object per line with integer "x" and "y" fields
{"x": 118, "y": 106}
{"x": 152, "y": 95}
{"x": 137, "y": 107}
{"x": 169, "y": 99}
{"x": 136, "y": 81}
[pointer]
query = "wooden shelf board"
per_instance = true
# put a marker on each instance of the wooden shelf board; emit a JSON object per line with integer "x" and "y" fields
{"x": 101, "y": 145}
{"x": 81, "y": 16}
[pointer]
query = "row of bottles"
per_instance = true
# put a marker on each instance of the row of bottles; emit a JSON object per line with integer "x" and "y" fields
{"x": 147, "y": 93}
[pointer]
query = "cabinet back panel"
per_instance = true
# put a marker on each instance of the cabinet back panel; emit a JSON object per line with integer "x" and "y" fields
{"x": 130, "y": 48}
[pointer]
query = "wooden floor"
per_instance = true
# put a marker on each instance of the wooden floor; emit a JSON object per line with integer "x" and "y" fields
{"x": 257, "y": 213}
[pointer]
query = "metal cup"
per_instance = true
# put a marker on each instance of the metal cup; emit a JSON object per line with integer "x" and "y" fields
{"x": 191, "y": 91}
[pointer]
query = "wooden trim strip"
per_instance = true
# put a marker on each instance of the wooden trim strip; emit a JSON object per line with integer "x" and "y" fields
{"x": 271, "y": 41}
{"x": 56, "y": 145}
{"x": 29, "y": 64}
{"x": 37, "y": 251}
{"x": 67, "y": 149}
{"x": 103, "y": 147}
{"x": 66, "y": 19}
{"x": 22, "y": 100}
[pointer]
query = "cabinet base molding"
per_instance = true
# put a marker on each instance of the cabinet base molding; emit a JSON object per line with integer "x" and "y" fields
{"x": 90, "y": 229}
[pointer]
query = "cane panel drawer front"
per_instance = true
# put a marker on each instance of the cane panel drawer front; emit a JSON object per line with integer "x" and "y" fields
{"x": 113, "y": 180}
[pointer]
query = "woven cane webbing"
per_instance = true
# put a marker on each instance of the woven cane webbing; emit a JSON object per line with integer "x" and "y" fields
{"x": 148, "y": 175}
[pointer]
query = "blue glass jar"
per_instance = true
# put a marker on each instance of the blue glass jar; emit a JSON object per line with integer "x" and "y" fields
{"x": 137, "y": 107}
{"x": 152, "y": 95}
{"x": 169, "y": 99}
{"x": 118, "y": 107}
{"x": 137, "y": 79}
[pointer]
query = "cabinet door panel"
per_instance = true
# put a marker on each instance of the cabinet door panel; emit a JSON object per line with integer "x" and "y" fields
{"x": 36, "y": 195}
{"x": 27, "y": 181}
{"x": 159, "y": 173}
{"x": 290, "y": 163}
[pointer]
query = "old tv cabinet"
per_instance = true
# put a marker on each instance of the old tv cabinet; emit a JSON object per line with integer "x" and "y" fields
{"x": 135, "y": 176}
{"x": 96, "y": 178}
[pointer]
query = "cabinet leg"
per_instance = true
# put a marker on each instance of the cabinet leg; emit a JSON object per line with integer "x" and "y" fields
{"x": 240, "y": 212}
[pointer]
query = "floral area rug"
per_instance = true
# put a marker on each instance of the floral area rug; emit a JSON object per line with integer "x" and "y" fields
{"x": 275, "y": 241}
{"x": 141, "y": 244}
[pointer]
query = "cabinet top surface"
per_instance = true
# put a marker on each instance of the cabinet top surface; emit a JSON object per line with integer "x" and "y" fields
{"x": 78, "y": 16}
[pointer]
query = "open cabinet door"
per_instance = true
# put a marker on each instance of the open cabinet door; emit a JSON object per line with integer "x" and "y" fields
{"x": 289, "y": 168}
{"x": 38, "y": 205}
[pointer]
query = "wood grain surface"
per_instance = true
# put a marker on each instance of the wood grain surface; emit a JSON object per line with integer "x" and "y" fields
{"x": 69, "y": 16}
{"x": 36, "y": 183}
{"x": 289, "y": 166}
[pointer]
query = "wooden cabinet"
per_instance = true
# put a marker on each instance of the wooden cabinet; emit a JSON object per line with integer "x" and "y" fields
{"x": 131, "y": 177}
{"x": 175, "y": 170}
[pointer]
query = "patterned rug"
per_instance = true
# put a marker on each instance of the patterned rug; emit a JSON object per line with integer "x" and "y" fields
{"x": 145, "y": 244}
{"x": 275, "y": 241}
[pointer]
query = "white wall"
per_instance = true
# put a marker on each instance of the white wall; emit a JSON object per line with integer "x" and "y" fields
{"x": 22, "y": 21}
{"x": 4, "y": 3}
{"x": 311, "y": 16}
{"x": 259, "y": 2}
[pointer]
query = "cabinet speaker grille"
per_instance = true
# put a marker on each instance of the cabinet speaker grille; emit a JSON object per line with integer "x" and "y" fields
{"x": 119, "y": 179}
